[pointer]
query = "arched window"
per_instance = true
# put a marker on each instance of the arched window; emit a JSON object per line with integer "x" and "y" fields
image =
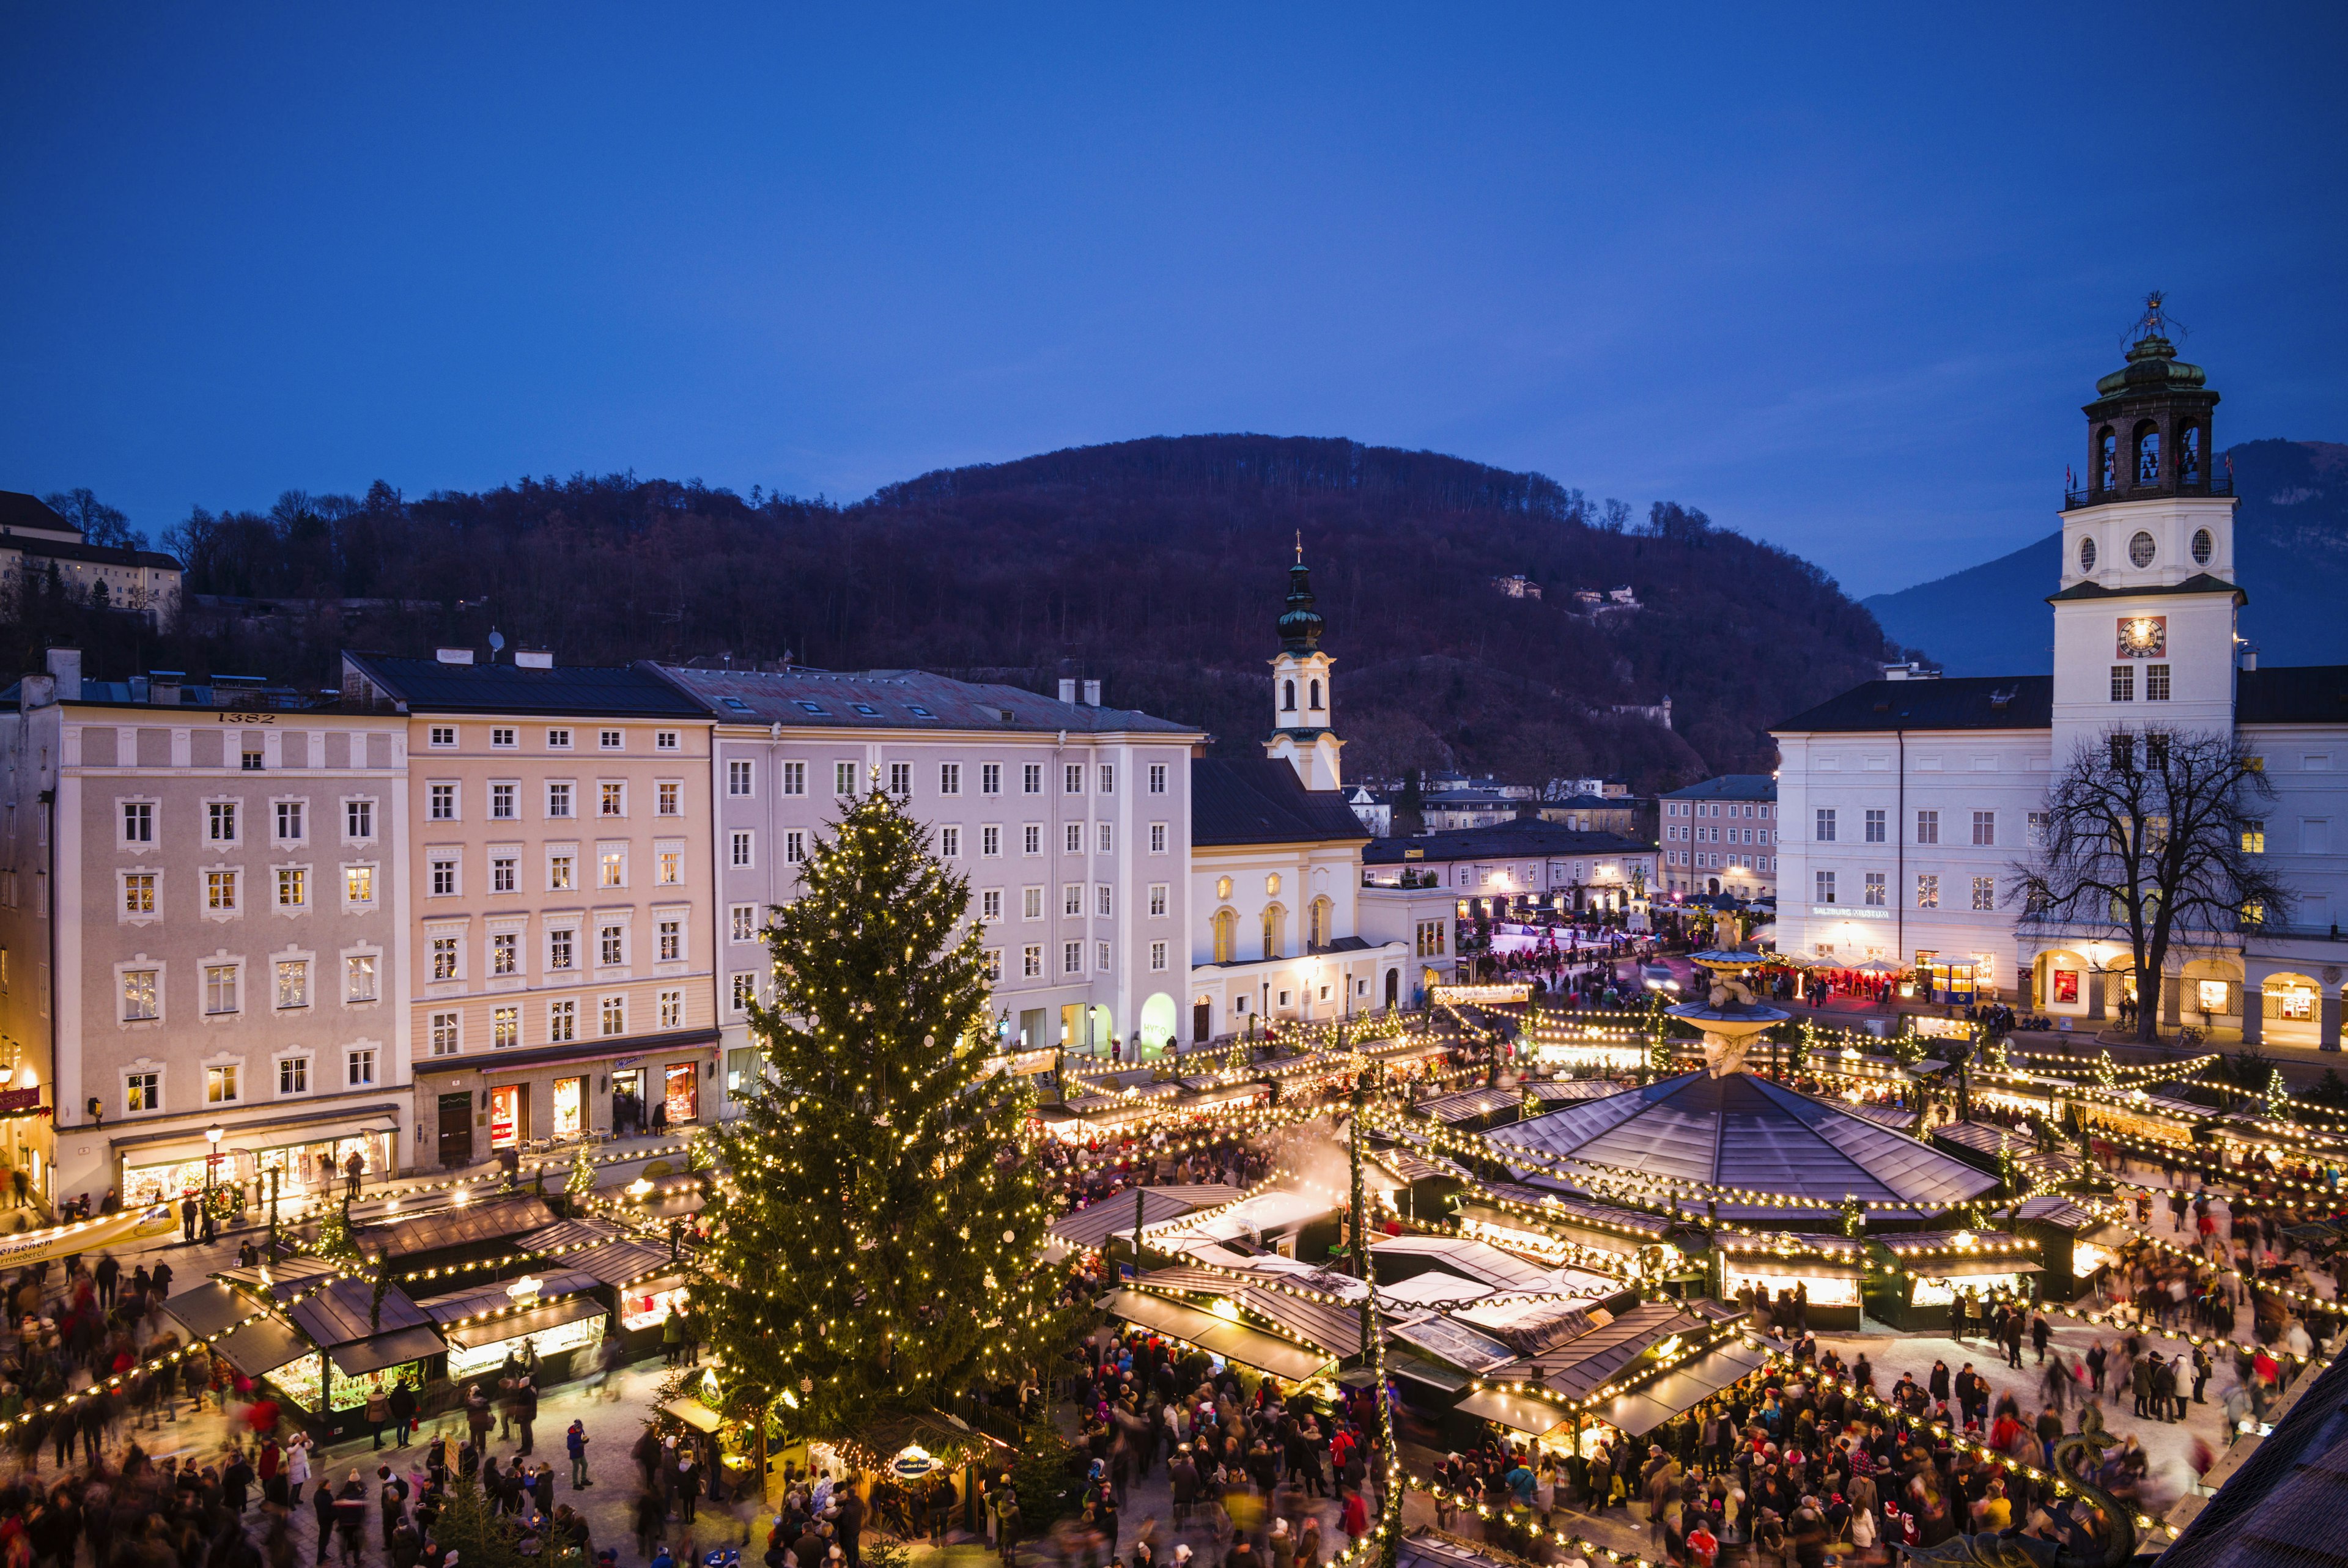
{"x": 2147, "y": 454}
{"x": 1288, "y": 696}
{"x": 2107, "y": 449}
{"x": 1321, "y": 914}
{"x": 2188, "y": 455}
{"x": 1275, "y": 919}
{"x": 1316, "y": 696}
{"x": 1226, "y": 925}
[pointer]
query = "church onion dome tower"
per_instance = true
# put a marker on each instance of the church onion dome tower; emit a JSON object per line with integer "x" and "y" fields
{"x": 1302, "y": 692}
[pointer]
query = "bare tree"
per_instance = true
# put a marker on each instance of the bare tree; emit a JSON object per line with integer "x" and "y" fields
{"x": 2156, "y": 837}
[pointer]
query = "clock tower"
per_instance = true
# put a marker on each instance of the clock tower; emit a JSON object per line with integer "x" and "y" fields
{"x": 2144, "y": 614}
{"x": 1301, "y": 694}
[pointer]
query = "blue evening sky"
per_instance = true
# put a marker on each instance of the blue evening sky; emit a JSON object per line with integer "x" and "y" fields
{"x": 1840, "y": 277}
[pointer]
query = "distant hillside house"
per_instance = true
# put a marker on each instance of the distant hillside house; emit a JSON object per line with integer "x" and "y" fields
{"x": 1376, "y": 814}
{"x": 1448, "y": 811}
{"x": 1616, "y": 813}
{"x": 1519, "y": 865}
{"x": 34, "y": 537}
{"x": 1517, "y": 587}
{"x": 1721, "y": 836}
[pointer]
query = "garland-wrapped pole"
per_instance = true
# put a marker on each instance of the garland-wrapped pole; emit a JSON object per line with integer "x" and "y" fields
{"x": 1374, "y": 1342}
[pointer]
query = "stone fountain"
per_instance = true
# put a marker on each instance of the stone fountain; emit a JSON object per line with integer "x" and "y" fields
{"x": 1728, "y": 1016}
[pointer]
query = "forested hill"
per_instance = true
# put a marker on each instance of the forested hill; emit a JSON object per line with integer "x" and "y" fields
{"x": 1156, "y": 565}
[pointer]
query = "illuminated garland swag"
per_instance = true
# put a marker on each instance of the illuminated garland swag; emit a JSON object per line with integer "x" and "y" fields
{"x": 874, "y": 1251}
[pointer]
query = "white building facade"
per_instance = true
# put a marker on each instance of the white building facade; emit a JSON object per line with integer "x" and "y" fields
{"x": 1909, "y": 802}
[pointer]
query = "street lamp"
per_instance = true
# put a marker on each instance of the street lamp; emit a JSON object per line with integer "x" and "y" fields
{"x": 212, "y": 1158}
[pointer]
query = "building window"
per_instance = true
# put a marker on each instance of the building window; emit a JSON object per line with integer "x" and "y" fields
{"x": 1107, "y": 838}
{"x": 2254, "y": 837}
{"x": 358, "y": 977}
{"x": 746, "y": 992}
{"x": 1875, "y": 890}
{"x": 990, "y": 843}
{"x": 505, "y": 953}
{"x": 359, "y": 1066}
{"x": 558, "y": 947}
{"x": 1826, "y": 824}
{"x": 949, "y": 778}
{"x": 795, "y": 778}
{"x": 1072, "y": 958}
{"x": 1874, "y": 828}
{"x": 612, "y": 946}
{"x": 358, "y": 884}
{"x": 1825, "y": 882}
{"x": 1157, "y": 838}
{"x": 1984, "y": 827}
{"x": 444, "y": 735}
{"x": 1033, "y": 838}
{"x": 1072, "y": 898}
{"x": 139, "y": 893}
{"x": 1158, "y": 898}
{"x": 672, "y": 867}
{"x": 1031, "y": 778}
{"x": 1031, "y": 962}
{"x": 443, "y": 798}
{"x": 1103, "y": 898}
{"x": 794, "y": 846}
{"x": 2156, "y": 682}
{"x": 990, "y": 904}
{"x": 561, "y": 1022}
{"x": 672, "y": 941}
{"x": 901, "y": 779}
{"x": 501, "y": 802}
{"x": 293, "y": 886}
{"x": 1107, "y": 778}
{"x": 444, "y": 879}
{"x": 1928, "y": 890}
{"x": 740, "y": 851}
{"x": 558, "y": 739}
{"x": 447, "y": 1033}
{"x": 1102, "y": 958}
{"x": 1928, "y": 827}
{"x": 293, "y": 1075}
{"x": 558, "y": 800}
{"x": 294, "y": 982}
{"x": 1074, "y": 783}
{"x": 672, "y": 798}
{"x": 667, "y": 740}
{"x": 746, "y": 922}
{"x": 612, "y": 868}
{"x": 359, "y": 819}
{"x": 289, "y": 821}
{"x": 505, "y": 1027}
{"x": 1984, "y": 892}
{"x": 138, "y": 822}
{"x": 219, "y": 1085}
{"x": 614, "y": 1013}
{"x": 501, "y": 874}
{"x": 142, "y": 1092}
{"x": 2123, "y": 683}
{"x": 671, "y": 1010}
{"x": 1031, "y": 903}
{"x": 220, "y": 892}
{"x": 1158, "y": 778}
{"x": 949, "y": 842}
{"x": 615, "y": 799}
{"x": 990, "y": 778}
{"x": 502, "y": 737}
{"x": 1072, "y": 838}
{"x": 139, "y": 995}
{"x": 220, "y": 821}
{"x": 612, "y": 740}
{"x": 219, "y": 987}
{"x": 444, "y": 958}
{"x": 843, "y": 778}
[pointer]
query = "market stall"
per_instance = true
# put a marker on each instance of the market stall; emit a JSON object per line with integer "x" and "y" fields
{"x": 1919, "y": 1275}
{"x": 1822, "y": 1270}
{"x": 545, "y": 1318}
{"x": 365, "y": 1346}
{"x": 1223, "y": 1337}
{"x": 2074, "y": 1242}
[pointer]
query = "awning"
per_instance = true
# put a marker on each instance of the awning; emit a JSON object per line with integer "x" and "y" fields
{"x": 1968, "y": 1267}
{"x": 1536, "y": 1416}
{"x": 1684, "y": 1388}
{"x": 395, "y": 1348}
{"x": 1231, "y": 1342}
{"x": 259, "y": 1348}
{"x": 694, "y": 1414}
{"x": 520, "y": 1325}
{"x": 173, "y": 1145}
{"x": 1762, "y": 1265}
{"x": 1434, "y": 1374}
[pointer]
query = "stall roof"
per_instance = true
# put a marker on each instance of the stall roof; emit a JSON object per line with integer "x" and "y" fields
{"x": 1910, "y": 1244}
{"x": 281, "y": 1281}
{"x": 1411, "y": 1165}
{"x": 459, "y": 1225}
{"x": 210, "y": 1308}
{"x": 1586, "y": 1363}
{"x": 619, "y": 1262}
{"x": 1684, "y": 1388}
{"x": 1476, "y": 1259}
{"x": 1234, "y": 1342}
{"x": 1567, "y": 1090}
{"x": 497, "y": 1330}
{"x": 1456, "y": 1342}
{"x": 2065, "y": 1213}
{"x": 553, "y": 1286}
{"x": 1275, "y": 1210}
{"x": 1471, "y": 1103}
{"x": 341, "y": 1313}
{"x": 1113, "y": 1217}
{"x": 1515, "y": 1411}
{"x": 1331, "y": 1326}
{"x": 259, "y": 1348}
{"x": 562, "y": 1234}
{"x": 1564, "y": 1209}
{"x": 1433, "y": 1552}
{"x": 694, "y": 1414}
{"x": 1434, "y": 1374}
{"x": 1434, "y": 1289}
{"x": 395, "y": 1348}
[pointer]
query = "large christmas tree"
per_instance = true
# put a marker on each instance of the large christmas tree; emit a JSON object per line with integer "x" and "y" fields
{"x": 873, "y": 1245}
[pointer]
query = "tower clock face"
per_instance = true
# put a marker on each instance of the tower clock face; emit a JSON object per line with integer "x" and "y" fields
{"x": 2144, "y": 636}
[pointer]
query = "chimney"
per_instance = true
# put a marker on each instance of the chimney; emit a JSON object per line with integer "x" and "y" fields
{"x": 453, "y": 655}
{"x": 36, "y": 691}
{"x": 65, "y": 663}
{"x": 1092, "y": 693}
{"x": 541, "y": 658}
{"x": 1067, "y": 691}
{"x": 163, "y": 687}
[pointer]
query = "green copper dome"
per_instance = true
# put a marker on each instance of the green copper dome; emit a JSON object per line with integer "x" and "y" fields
{"x": 1299, "y": 623}
{"x": 2152, "y": 366}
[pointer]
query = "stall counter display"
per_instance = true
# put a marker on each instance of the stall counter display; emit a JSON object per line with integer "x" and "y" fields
{"x": 646, "y": 1305}
{"x": 585, "y": 1333}
{"x": 298, "y": 1381}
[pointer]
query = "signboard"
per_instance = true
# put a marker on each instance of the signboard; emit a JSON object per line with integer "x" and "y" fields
{"x": 1944, "y": 1028}
{"x": 1490, "y": 995}
{"x": 17, "y": 1101}
{"x": 1851, "y": 911}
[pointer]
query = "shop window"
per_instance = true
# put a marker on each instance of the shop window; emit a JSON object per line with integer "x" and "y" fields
{"x": 505, "y": 1116}
{"x": 2211, "y": 995}
{"x": 569, "y": 1106}
{"x": 681, "y": 1092}
{"x": 2066, "y": 987}
{"x": 741, "y": 1072}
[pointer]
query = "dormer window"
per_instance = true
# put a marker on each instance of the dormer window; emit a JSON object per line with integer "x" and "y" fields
{"x": 738, "y": 705}
{"x": 814, "y": 708}
{"x": 866, "y": 709}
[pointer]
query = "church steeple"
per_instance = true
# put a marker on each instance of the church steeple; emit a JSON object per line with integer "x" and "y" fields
{"x": 1302, "y": 692}
{"x": 2149, "y": 430}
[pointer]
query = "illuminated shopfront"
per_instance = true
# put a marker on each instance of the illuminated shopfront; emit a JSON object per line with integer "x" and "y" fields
{"x": 1830, "y": 1284}
{"x": 1929, "y": 1270}
{"x": 681, "y": 1091}
{"x": 311, "y": 1168}
{"x": 647, "y": 1304}
{"x": 554, "y": 1328}
{"x": 298, "y": 1381}
{"x": 570, "y": 1107}
{"x": 1930, "y": 1291}
{"x": 507, "y": 1115}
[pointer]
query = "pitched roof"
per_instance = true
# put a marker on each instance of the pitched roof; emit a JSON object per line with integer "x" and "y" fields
{"x": 1965, "y": 702}
{"x": 19, "y": 510}
{"x": 1524, "y": 835}
{"x": 607, "y": 690}
{"x": 1260, "y": 799}
{"x": 2292, "y": 695}
{"x": 466, "y": 1225}
{"x": 2199, "y": 582}
{"x": 2279, "y": 1510}
{"x": 1728, "y": 786}
{"x": 895, "y": 699}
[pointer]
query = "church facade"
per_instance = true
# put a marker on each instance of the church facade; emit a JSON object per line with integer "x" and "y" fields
{"x": 1907, "y": 804}
{"x": 1276, "y": 862}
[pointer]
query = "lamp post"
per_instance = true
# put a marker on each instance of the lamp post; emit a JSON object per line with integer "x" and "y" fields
{"x": 211, "y": 1158}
